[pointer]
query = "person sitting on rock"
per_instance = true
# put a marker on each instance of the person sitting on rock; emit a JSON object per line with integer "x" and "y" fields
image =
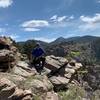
{"x": 38, "y": 55}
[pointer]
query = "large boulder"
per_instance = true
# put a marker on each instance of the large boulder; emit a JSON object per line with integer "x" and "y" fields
{"x": 9, "y": 91}
{"x": 7, "y": 88}
{"x": 18, "y": 71}
{"x": 62, "y": 71}
{"x": 58, "y": 80}
{"x": 20, "y": 94}
{"x": 54, "y": 63}
{"x": 16, "y": 79}
{"x": 26, "y": 66}
{"x": 71, "y": 68}
{"x": 38, "y": 84}
{"x": 60, "y": 66}
{"x": 8, "y": 54}
{"x": 22, "y": 69}
{"x": 22, "y": 72}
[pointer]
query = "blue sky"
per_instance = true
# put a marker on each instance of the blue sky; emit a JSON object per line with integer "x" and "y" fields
{"x": 47, "y": 20}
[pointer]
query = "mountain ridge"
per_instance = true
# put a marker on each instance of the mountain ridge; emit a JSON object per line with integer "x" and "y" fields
{"x": 87, "y": 45}
{"x": 86, "y": 38}
{"x": 62, "y": 39}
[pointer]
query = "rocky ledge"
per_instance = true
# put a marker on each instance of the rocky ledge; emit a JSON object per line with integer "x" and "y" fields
{"x": 18, "y": 81}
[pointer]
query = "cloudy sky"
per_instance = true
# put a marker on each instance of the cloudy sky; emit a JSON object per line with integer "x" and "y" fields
{"x": 47, "y": 20}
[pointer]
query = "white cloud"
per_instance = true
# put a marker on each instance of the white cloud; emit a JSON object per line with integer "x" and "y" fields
{"x": 90, "y": 23}
{"x": 5, "y": 3}
{"x": 57, "y": 19}
{"x": 61, "y": 19}
{"x": 61, "y": 22}
{"x": 34, "y": 25}
{"x": 54, "y": 22}
{"x": 31, "y": 29}
{"x": 45, "y": 39}
{"x": 54, "y": 17}
{"x": 95, "y": 19}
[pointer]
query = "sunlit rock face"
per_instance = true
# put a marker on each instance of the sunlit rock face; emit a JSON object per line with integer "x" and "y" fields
{"x": 13, "y": 72}
{"x": 8, "y": 54}
{"x": 61, "y": 79}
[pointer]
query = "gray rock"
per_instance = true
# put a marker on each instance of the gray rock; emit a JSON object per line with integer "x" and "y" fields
{"x": 7, "y": 88}
{"x": 58, "y": 80}
{"x": 23, "y": 64}
{"x": 54, "y": 63}
{"x": 9, "y": 91}
{"x": 51, "y": 96}
{"x": 23, "y": 72}
{"x": 38, "y": 84}
{"x": 6, "y": 56}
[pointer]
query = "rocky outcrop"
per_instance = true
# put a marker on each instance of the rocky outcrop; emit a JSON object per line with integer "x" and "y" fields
{"x": 9, "y": 91}
{"x": 19, "y": 81}
{"x": 22, "y": 68}
{"x": 62, "y": 66}
{"x": 13, "y": 72}
{"x": 8, "y": 54}
{"x": 38, "y": 84}
{"x": 61, "y": 71}
{"x": 52, "y": 96}
{"x": 54, "y": 63}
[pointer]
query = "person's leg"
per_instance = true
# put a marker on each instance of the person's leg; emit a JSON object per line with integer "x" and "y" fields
{"x": 43, "y": 61}
{"x": 35, "y": 63}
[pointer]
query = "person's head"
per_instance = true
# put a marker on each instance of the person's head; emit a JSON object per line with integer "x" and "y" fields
{"x": 37, "y": 45}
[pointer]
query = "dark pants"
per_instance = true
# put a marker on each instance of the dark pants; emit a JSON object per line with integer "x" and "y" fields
{"x": 39, "y": 63}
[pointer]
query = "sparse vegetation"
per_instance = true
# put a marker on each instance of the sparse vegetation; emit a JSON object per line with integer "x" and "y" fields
{"x": 74, "y": 93}
{"x": 26, "y": 47}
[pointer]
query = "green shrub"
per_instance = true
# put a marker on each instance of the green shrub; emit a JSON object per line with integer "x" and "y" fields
{"x": 74, "y": 93}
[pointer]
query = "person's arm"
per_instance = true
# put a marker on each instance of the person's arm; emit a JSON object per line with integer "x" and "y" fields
{"x": 43, "y": 52}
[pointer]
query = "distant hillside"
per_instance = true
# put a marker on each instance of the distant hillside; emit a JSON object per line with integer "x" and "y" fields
{"x": 75, "y": 39}
{"x": 59, "y": 40}
{"x": 88, "y": 46}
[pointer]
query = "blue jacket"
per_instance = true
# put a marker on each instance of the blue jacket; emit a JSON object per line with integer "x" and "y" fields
{"x": 37, "y": 52}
